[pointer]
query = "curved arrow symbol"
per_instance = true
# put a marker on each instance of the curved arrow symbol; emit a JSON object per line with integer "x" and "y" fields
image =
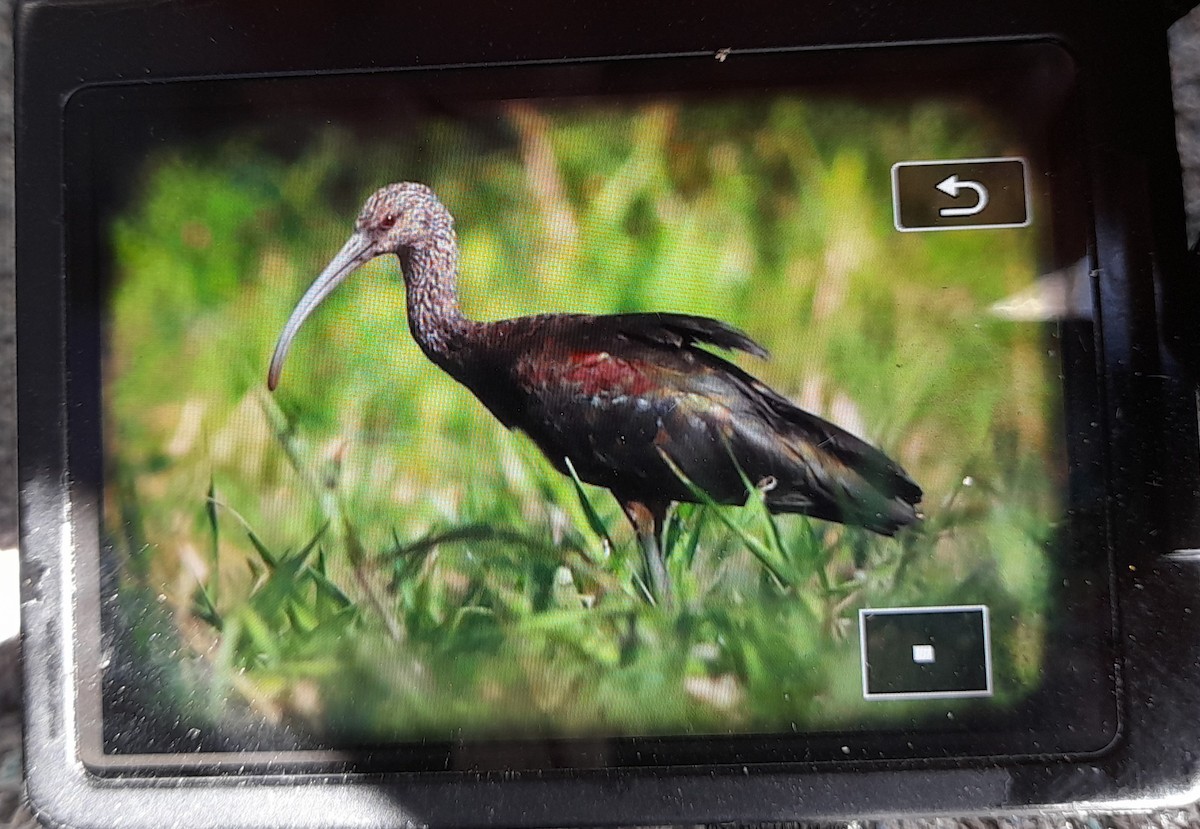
{"x": 952, "y": 186}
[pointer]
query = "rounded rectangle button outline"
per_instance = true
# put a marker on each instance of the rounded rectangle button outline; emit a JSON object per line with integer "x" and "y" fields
{"x": 934, "y": 228}
{"x": 911, "y": 611}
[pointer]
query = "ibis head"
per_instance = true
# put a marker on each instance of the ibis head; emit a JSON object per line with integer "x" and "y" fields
{"x": 398, "y": 217}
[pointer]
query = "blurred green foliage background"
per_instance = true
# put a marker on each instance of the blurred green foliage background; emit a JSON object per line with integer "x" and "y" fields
{"x": 368, "y": 554}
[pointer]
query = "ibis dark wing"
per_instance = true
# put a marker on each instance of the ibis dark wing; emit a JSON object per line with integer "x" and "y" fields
{"x": 818, "y": 468}
{"x": 633, "y": 401}
{"x": 676, "y": 331}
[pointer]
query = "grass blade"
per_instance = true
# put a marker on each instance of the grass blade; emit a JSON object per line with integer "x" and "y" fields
{"x": 692, "y": 543}
{"x": 760, "y": 551}
{"x": 593, "y": 518}
{"x": 205, "y": 608}
{"x": 210, "y": 510}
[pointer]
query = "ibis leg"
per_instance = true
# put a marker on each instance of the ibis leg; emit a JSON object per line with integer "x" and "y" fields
{"x": 648, "y": 520}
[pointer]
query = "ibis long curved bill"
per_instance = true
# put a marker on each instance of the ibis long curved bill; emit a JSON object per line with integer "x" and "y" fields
{"x": 353, "y": 255}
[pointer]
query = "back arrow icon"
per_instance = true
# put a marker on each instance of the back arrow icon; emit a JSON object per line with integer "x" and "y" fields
{"x": 952, "y": 186}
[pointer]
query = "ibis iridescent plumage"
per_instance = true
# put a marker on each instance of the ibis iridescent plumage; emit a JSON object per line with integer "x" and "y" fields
{"x": 636, "y": 403}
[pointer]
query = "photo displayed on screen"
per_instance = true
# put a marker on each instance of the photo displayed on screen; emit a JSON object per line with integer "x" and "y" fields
{"x": 588, "y": 417}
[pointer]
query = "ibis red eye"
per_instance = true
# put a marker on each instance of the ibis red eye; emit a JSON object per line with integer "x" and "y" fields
{"x": 387, "y": 221}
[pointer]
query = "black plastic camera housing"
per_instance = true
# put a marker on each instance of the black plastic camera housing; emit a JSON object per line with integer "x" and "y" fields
{"x": 1082, "y": 90}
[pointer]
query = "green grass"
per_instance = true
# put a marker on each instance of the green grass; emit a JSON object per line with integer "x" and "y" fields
{"x": 367, "y": 553}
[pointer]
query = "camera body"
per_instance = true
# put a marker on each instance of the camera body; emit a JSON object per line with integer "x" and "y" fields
{"x": 939, "y": 167}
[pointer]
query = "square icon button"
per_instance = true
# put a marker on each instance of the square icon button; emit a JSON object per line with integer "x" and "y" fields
{"x": 970, "y": 193}
{"x": 925, "y": 652}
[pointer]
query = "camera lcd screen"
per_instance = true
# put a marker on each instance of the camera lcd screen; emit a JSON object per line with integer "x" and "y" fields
{"x": 789, "y": 454}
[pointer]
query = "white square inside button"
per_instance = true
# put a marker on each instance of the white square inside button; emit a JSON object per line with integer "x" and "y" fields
{"x": 922, "y": 654}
